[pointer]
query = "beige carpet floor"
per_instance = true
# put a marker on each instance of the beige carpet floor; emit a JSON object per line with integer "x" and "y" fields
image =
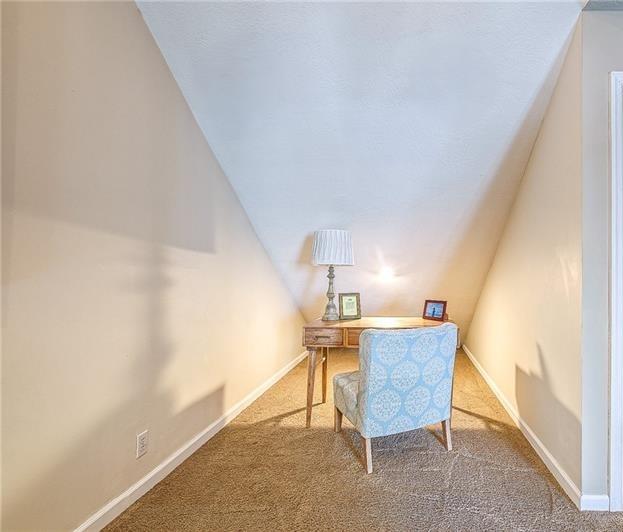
{"x": 265, "y": 471}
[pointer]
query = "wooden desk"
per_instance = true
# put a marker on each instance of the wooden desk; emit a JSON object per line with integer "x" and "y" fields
{"x": 321, "y": 335}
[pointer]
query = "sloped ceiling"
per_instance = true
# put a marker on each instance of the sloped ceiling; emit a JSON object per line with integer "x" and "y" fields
{"x": 408, "y": 123}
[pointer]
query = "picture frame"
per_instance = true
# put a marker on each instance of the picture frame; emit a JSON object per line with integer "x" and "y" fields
{"x": 350, "y": 306}
{"x": 435, "y": 309}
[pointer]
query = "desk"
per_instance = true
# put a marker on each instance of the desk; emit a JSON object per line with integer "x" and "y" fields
{"x": 320, "y": 335}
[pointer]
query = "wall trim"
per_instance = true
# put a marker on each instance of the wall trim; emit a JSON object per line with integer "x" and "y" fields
{"x": 594, "y": 503}
{"x": 116, "y": 506}
{"x": 548, "y": 459}
{"x": 616, "y": 292}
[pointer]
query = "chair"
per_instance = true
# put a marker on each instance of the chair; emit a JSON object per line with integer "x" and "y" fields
{"x": 404, "y": 383}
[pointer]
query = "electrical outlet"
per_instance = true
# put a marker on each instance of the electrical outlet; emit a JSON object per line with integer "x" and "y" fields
{"x": 142, "y": 443}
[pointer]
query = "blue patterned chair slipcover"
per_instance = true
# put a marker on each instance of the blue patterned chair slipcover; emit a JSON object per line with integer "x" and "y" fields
{"x": 404, "y": 382}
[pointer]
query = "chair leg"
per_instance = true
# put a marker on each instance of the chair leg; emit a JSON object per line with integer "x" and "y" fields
{"x": 445, "y": 425}
{"x": 367, "y": 442}
{"x": 337, "y": 420}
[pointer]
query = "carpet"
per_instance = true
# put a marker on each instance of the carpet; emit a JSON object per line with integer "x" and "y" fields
{"x": 265, "y": 471}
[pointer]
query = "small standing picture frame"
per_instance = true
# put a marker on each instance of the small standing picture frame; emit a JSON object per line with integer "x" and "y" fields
{"x": 435, "y": 310}
{"x": 350, "y": 306}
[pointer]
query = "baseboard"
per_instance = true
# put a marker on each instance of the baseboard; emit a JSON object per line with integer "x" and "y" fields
{"x": 551, "y": 463}
{"x": 114, "y": 508}
{"x": 595, "y": 503}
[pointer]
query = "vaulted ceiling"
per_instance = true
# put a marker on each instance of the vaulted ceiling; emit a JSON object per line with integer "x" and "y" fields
{"x": 408, "y": 123}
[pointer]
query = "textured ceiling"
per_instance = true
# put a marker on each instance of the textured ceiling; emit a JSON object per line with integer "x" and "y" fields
{"x": 409, "y": 124}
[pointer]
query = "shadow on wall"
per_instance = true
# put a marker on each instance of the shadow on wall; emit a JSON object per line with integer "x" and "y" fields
{"x": 111, "y": 442}
{"x": 127, "y": 152}
{"x": 557, "y": 427}
{"x": 54, "y": 488}
{"x": 129, "y": 166}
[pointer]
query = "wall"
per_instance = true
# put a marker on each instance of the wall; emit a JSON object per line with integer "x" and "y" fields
{"x": 526, "y": 331}
{"x": 409, "y": 123}
{"x": 135, "y": 292}
{"x": 602, "y": 53}
{"x": 1, "y": 320}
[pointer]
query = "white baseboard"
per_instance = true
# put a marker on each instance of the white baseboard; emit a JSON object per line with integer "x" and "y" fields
{"x": 114, "y": 508}
{"x": 552, "y": 464}
{"x": 595, "y": 503}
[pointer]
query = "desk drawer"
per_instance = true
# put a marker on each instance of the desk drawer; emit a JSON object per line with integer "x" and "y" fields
{"x": 331, "y": 337}
{"x": 353, "y": 337}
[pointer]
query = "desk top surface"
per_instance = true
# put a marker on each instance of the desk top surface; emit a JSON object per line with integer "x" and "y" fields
{"x": 377, "y": 322}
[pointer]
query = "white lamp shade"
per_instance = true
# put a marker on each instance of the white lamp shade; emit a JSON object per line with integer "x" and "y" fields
{"x": 333, "y": 246}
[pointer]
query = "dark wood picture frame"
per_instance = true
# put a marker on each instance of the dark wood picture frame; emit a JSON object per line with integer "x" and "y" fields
{"x": 443, "y": 316}
{"x": 341, "y": 307}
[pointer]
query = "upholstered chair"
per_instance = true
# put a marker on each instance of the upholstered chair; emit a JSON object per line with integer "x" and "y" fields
{"x": 404, "y": 383}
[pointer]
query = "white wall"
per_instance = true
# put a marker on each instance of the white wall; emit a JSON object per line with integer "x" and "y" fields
{"x": 526, "y": 331}
{"x": 1, "y": 319}
{"x": 135, "y": 292}
{"x": 409, "y": 123}
{"x": 602, "y": 53}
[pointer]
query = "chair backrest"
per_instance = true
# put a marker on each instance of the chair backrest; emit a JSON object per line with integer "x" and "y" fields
{"x": 405, "y": 378}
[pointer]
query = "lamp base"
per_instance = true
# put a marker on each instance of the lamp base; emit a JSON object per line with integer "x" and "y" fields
{"x": 330, "y": 311}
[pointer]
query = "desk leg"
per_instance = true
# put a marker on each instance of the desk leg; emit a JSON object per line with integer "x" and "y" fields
{"x": 311, "y": 373}
{"x": 324, "y": 374}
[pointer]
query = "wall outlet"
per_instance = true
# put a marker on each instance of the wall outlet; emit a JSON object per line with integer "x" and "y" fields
{"x": 142, "y": 443}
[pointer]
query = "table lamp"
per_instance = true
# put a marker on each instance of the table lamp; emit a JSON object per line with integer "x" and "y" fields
{"x": 332, "y": 247}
